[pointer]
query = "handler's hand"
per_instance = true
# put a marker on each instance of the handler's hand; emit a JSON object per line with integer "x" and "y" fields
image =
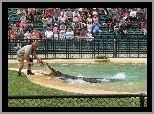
{"x": 42, "y": 63}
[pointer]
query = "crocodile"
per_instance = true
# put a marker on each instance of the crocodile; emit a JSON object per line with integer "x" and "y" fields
{"x": 62, "y": 76}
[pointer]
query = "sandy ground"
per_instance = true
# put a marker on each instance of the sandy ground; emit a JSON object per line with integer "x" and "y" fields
{"x": 51, "y": 83}
{"x": 119, "y": 60}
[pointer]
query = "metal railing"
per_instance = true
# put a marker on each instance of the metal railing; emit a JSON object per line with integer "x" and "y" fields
{"x": 115, "y": 48}
{"x": 101, "y": 100}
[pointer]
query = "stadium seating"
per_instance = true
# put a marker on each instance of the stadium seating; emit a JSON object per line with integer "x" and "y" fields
{"x": 133, "y": 32}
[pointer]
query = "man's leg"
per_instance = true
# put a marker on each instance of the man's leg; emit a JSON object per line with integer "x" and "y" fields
{"x": 21, "y": 64}
{"x": 29, "y": 72}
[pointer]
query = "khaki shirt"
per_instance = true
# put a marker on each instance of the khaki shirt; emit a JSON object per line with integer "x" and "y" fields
{"x": 25, "y": 50}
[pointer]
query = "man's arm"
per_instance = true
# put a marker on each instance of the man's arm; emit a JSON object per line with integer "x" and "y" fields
{"x": 35, "y": 56}
{"x": 39, "y": 59}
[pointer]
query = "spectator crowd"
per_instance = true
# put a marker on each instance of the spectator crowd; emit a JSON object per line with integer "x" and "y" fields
{"x": 67, "y": 24}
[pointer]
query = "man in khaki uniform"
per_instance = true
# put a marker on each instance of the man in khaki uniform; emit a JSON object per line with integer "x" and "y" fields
{"x": 24, "y": 54}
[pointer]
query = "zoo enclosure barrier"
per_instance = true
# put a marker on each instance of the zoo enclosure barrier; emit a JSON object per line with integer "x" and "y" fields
{"x": 115, "y": 48}
{"x": 85, "y": 100}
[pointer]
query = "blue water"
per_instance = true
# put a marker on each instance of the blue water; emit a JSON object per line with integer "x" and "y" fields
{"x": 133, "y": 76}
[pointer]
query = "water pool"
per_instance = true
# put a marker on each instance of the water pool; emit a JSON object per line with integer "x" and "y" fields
{"x": 133, "y": 76}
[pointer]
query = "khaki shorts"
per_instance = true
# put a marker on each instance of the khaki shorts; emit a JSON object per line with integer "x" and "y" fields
{"x": 20, "y": 57}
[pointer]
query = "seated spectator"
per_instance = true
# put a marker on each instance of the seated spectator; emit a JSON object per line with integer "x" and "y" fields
{"x": 29, "y": 19}
{"x": 63, "y": 19}
{"x": 120, "y": 12}
{"x": 140, "y": 19}
{"x": 35, "y": 35}
{"x": 37, "y": 14}
{"x": 80, "y": 10}
{"x": 76, "y": 26}
{"x": 44, "y": 20}
{"x": 89, "y": 19}
{"x": 43, "y": 13}
{"x": 56, "y": 15}
{"x": 62, "y": 26}
{"x": 116, "y": 28}
{"x": 24, "y": 12}
{"x": 60, "y": 16}
{"x": 83, "y": 33}
{"x": 62, "y": 13}
{"x": 107, "y": 12}
{"x": 55, "y": 31}
{"x": 94, "y": 11}
{"x": 76, "y": 19}
{"x": 126, "y": 13}
{"x": 22, "y": 29}
{"x": 100, "y": 10}
{"x": 41, "y": 35}
{"x": 13, "y": 35}
{"x": 19, "y": 33}
{"x": 133, "y": 15}
{"x": 144, "y": 27}
{"x": 82, "y": 21}
{"x": 76, "y": 13}
{"x": 128, "y": 22}
{"x": 62, "y": 34}
{"x": 76, "y": 33}
{"x": 96, "y": 28}
{"x": 49, "y": 21}
{"x": 95, "y": 19}
{"x": 27, "y": 36}
{"x": 115, "y": 19}
{"x": 69, "y": 34}
{"x": 123, "y": 28}
{"x": 89, "y": 11}
{"x": 86, "y": 12}
{"x": 30, "y": 26}
{"x": 89, "y": 26}
{"x": 14, "y": 27}
{"x": 89, "y": 35}
{"x": 49, "y": 13}
{"x": 48, "y": 34}
{"x": 122, "y": 20}
{"x": 108, "y": 23}
{"x": 68, "y": 23}
{"x": 23, "y": 21}
{"x": 69, "y": 14}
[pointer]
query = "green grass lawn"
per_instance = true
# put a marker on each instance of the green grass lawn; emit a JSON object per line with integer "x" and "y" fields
{"x": 22, "y": 86}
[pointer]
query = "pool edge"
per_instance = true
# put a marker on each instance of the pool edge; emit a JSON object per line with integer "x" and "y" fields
{"x": 119, "y": 60}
